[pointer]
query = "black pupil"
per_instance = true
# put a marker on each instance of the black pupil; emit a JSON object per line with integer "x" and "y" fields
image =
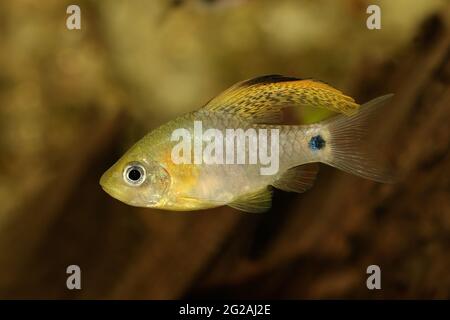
{"x": 134, "y": 174}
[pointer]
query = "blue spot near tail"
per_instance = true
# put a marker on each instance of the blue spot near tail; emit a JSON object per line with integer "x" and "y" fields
{"x": 316, "y": 143}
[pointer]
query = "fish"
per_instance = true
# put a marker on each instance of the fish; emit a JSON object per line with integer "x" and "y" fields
{"x": 150, "y": 175}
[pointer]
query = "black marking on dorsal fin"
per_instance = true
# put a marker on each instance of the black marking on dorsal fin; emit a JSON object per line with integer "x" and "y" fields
{"x": 274, "y": 78}
{"x": 270, "y": 78}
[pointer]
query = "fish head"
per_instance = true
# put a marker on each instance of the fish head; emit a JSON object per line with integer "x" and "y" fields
{"x": 136, "y": 179}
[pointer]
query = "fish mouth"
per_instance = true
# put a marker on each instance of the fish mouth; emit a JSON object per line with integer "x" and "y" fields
{"x": 106, "y": 184}
{"x": 110, "y": 190}
{"x": 111, "y": 183}
{"x": 103, "y": 181}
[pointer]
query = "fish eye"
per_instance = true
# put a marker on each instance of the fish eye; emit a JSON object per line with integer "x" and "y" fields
{"x": 134, "y": 174}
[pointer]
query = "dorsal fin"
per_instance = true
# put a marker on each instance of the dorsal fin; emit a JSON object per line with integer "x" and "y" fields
{"x": 261, "y": 99}
{"x": 270, "y": 78}
{"x": 298, "y": 179}
{"x": 254, "y": 202}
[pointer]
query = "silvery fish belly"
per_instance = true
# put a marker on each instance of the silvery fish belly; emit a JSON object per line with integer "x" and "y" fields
{"x": 233, "y": 150}
{"x": 230, "y": 157}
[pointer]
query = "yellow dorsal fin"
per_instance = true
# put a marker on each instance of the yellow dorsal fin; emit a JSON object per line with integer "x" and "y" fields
{"x": 261, "y": 99}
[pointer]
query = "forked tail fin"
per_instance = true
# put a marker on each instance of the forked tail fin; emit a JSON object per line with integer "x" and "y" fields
{"x": 346, "y": 142}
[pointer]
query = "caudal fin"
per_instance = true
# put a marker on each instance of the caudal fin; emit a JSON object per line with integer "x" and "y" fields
{"x": 347, "y": 143}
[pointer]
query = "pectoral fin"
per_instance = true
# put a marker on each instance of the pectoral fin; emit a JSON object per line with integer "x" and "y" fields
{"x": 260, "y": 100}
{"x": 254, "y": 202}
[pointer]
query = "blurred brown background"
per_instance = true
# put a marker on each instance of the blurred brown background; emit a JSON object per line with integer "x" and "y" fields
{"x": 71, "y": 102}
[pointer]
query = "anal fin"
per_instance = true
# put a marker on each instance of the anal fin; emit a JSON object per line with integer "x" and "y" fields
{"x": 298, "y": 179}
{"x": 255, "y": 202}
